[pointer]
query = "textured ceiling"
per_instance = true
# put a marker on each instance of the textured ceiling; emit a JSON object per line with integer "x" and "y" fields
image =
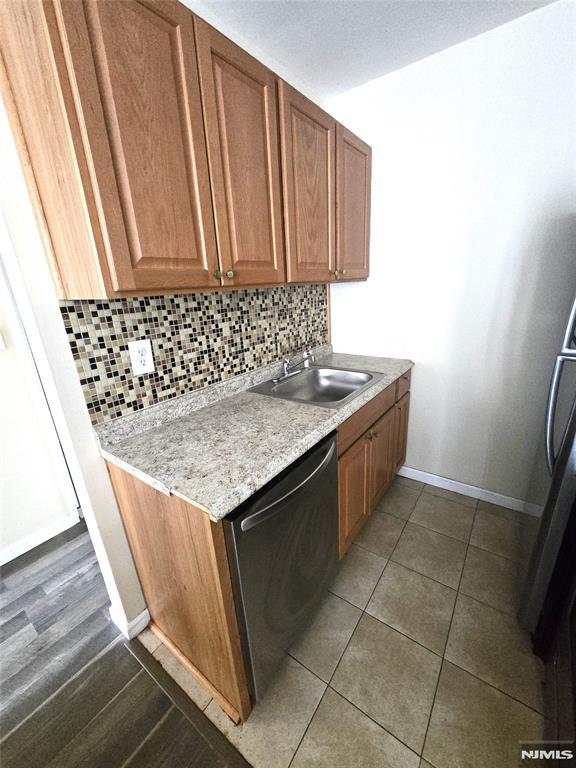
{"x": 329, "y": 46}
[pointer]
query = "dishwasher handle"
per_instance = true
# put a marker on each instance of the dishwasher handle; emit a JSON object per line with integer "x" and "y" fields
{"x": 256, "y": 518}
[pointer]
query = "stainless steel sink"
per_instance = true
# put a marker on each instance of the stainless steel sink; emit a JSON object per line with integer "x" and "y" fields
{"x": 328, "y": 387}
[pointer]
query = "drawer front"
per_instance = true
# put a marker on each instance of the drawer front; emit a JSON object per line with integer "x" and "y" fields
{"x": 403, "y": 385}
{"x": 359, "y": 422}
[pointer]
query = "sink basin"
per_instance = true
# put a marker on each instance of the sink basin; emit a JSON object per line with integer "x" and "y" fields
{"x": 328, "y": 387}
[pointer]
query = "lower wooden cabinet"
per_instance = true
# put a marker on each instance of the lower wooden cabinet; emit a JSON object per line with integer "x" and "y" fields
{"x": 383, "y": 454}
{"x": 402, "y": 408}
{"x": 354, "y": 491}
{"x": 367, "y": 467}
{"x": 181, "y": 559}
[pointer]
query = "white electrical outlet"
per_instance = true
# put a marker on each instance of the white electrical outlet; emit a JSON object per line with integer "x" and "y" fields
{"x": 141, "y": 357}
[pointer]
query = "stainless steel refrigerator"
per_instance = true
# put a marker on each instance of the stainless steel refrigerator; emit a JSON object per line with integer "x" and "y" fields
{"x": 548, "y": 603}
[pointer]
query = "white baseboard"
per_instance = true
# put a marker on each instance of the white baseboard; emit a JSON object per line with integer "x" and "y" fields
{"x": 12, "y": 551}
{"x": 471, "y": 490}
{"x": 129, "y": 628}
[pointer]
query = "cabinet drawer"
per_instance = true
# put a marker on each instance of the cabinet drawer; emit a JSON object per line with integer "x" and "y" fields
{"x": 359, "y": 422}
{"x": 403, "y": 385}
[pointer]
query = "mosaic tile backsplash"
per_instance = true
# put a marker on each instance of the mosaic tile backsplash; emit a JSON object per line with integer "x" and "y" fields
{"x": 197, "y": 340}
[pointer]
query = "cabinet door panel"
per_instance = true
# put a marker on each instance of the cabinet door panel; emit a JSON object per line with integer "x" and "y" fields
{"x": 353, "y": 481}
{"x": 133, "y": 64}
{"x": 383, "y": 455}
{"x": 353, "y": 175}
{"x": 308, "y": 164}
{"x": 402, "y": 409}
{"x": 240, "y": 112}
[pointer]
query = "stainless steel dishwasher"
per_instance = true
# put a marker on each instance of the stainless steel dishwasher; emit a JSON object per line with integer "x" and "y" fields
{"x": 283, "y": 550}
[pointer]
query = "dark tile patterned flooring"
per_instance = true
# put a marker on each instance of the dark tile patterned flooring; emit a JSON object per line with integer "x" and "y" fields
{"x": 72, "y": 693}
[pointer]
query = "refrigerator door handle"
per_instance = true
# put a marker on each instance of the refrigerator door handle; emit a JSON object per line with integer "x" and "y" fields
{"x": 551, "y": 407}
{"x": 569, "y": 341}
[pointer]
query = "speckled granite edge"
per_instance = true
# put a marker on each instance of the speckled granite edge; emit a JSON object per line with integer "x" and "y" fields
{"x": 170, "y": 461}
{"x": 132, "y": 470}
{"x": 226, "y": 503}
{"x": 115, "y": 431}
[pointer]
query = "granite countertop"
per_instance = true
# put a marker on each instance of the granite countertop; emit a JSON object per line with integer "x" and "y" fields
{"x": 218, "y": 455}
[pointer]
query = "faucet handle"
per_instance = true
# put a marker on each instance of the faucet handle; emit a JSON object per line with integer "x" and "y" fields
{"x": 308, "y": 357}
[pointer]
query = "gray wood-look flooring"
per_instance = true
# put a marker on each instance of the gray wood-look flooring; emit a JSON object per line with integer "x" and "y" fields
{"x": 72, "y": 693}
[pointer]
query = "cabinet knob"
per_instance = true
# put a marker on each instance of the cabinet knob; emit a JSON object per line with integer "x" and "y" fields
{"x": 230, "y": 274}
{"x": 335, "y": 272}
{"x": 342, "y": 272}
{"x": 218, "y": 274}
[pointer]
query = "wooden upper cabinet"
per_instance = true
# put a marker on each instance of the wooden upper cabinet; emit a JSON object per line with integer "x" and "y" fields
{"x": 240, "y": 114}
{"x": 132, "y": 66}
{"x": 353, "y": 176}
{"x": 157, "y": 151}
{"x": 308, "y": 142}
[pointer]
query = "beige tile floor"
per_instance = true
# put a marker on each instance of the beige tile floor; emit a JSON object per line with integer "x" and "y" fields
{"x": 414, "y": 660}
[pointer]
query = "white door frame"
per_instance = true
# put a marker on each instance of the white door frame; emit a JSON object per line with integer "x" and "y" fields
{"x": 32, "y": 285}
{"x": 71, "y": 513}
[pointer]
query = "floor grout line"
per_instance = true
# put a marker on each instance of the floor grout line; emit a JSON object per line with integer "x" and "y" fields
{"x": 440, "y": 533}
{"x": 399, "y": 631}
{"x": 448, "y": 634}
{"x": 309, "y": 723}
{"x": 486, "y": 605}
{"x": 442, "y": 656}
{"x": 149, "y": 735}
{"x": 494, "y": 687}
{"x": 389, "y": 732}
{"x": 442, "y": 659}
{"x": 353, "y": 633}
{"x": 513, "y": 560}
{"x": 327, "y": 682}
{"x": 99, "y": 655}
{"x": 336, "y": 669}
{"x": 356, "y": 627}
{"x": 389, "y": 559}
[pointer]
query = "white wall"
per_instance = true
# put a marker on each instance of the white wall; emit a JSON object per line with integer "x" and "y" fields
{"x": 473, "y": 264}
{"x": 257, "y": 46}
{"x": 37, "y": 499}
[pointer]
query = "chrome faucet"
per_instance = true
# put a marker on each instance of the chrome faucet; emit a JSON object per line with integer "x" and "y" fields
{"x": 291, "y": 368}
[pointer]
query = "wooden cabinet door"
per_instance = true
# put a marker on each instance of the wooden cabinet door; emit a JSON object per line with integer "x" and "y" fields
{"x": 240, "y": 114}
{"x": 132, "y": 65}
{"x": 308, "y": 141}
{"x": 353, "y": 175}
{"x": 402, "y": 409}
{"x": 353, "y": 482}
{"x": 383, "y": 455}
